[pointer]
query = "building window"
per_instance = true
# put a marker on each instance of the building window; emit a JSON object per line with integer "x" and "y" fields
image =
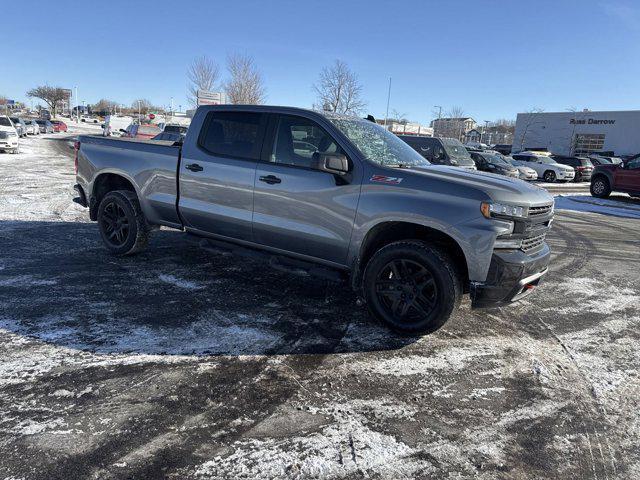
{"x": 586, "y": 143}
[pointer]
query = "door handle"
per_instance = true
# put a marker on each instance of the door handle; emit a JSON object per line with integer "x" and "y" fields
{"x": 270, "y": 179}
{"x": 194, "y": 167}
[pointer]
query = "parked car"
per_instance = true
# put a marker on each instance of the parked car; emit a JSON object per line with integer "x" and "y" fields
{"x": 9, "y": 140}
{"x": 89, "y": 119}
{"x": 617, "y": 178}
{"x": 441, "y": 151}
{"x": 489, "y": 161}
{"x": 141, "y": 131}
{"x": 524, "y": 173}
{"x": 582, "y": 166}
{"x": 546, "y": 167}
{"x": 169, "y": 137}
{"x": 45, "y": 126}
{"x": 412, "y": 236}
{"x": 21, "y": 126}
{"x": 32, "y": 127}
{"x": 503, "y": 148}
{"x": 58, "y": 126}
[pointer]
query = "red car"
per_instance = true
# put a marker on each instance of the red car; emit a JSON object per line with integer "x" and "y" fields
{"x": 609, "y": 178}
{"x": 145, "y": 132}
{"x": 58, "y": 126}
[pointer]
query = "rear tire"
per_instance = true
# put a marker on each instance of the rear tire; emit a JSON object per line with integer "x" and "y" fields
{"x": 122, "y": 224}
{"x": 549, "y": 176}
{"x": 600, "y": 187}
{"x": 411, "y": 287}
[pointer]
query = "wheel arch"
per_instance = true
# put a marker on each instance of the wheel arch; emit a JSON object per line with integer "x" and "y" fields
{"x": 104, "y": 183}
{"x": 387, "y": 232}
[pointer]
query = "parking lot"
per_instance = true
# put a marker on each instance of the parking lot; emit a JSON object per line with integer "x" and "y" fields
{"x": 180, "y": 363}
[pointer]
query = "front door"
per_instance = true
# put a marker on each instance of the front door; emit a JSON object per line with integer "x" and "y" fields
{"x": 297, "y": 208}
{"x": 628, "y": 178}
{"x": 217, "y": 174}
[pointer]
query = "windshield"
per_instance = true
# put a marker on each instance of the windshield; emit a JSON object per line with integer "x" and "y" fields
{"x": 175, "y": 129}
{"x": 378, "y": 144}
{"x": 496, "y": 160}
{"x": 457, "y": 151}
{"x": 5, "y": 122}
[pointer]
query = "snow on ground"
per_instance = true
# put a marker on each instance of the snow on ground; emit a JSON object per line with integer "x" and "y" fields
{"x": 181, "y": 364}
{"x": 617, "y": 205}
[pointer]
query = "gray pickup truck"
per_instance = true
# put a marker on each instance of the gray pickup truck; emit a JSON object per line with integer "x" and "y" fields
{"x": 323, "y": 189}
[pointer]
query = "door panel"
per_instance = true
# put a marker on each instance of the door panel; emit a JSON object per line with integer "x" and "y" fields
{"x": 628, "y": 178}
{"x": 217, "y": 174}
{"x": 297, "y": 208}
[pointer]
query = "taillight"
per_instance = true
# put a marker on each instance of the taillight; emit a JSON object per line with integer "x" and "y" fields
{"x": 76, "y": 147}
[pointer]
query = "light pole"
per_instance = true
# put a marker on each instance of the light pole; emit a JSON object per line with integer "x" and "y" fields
{"x": 139, "y": 113}
{"x": 484, "y": 131}
{"x": 439, "y": 116}
{"x": 171, "y": 108}
{"x": 388, "y": 98}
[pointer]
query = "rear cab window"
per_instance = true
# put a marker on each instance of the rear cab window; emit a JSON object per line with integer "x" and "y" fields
{"x": 232, "y": 134}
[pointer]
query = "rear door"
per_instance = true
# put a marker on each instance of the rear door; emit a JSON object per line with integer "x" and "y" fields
{"x": 217, "y": 173}
{"x": 297, "y": 208}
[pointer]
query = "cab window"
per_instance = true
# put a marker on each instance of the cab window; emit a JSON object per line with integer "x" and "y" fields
{"x": 297, "y": 139}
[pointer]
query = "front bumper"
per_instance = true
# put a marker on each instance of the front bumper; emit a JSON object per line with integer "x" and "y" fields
{"x": 513, "y": 274}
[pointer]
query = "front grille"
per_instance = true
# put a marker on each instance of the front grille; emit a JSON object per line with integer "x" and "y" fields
{"x": 537, "y": 211}
{"x": 533, "y": 243}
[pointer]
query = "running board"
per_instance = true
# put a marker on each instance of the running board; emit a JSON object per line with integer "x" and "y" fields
{"x": 280, "y": 263}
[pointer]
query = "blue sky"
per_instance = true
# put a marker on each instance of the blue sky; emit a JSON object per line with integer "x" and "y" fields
{"x": 492, "y": 58}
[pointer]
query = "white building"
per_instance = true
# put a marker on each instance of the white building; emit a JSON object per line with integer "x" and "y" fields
{"x": 575, "y": 133}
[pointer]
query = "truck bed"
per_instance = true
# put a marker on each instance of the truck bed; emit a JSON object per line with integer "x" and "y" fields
{"x": 150, "y": 166}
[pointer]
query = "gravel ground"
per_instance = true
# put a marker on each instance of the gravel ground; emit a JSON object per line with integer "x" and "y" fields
{"x": 181, "y": 364}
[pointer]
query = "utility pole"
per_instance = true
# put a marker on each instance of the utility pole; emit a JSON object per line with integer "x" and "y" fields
{"x": 484, "y": 132}
{"x": 388, "y": 99}
{"x": 139, "y": 113}
{"x": 77, "y": 106}
{"x": 171, "y": 108}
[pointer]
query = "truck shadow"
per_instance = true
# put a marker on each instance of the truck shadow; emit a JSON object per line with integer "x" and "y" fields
{"x": 59, "y": 285}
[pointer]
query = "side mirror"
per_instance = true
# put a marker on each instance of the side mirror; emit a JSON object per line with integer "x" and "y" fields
{"x": 330, "y": 163}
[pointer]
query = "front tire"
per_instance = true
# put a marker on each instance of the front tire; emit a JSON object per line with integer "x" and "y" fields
{"x": 549, "y": 176}
{"x": 122, "y": 224}
{"x": 600, "y": 187}
{"x": 411, "y": 287}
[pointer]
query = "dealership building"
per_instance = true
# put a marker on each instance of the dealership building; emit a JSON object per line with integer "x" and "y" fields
{"x": 579, "y": 133}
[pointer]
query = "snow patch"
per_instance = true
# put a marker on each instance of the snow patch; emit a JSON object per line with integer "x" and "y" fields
{"x": 180, "y": 283}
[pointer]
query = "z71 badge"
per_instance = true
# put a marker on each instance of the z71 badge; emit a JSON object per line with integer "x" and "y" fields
{"x": 385, "y": 179}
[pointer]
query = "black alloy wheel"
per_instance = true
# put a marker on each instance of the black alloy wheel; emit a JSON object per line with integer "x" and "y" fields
{"x": 407, "y": 290}
{"x": 115, "y": 224}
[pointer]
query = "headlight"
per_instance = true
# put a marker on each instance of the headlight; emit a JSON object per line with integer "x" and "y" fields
{"x": 516, "y": 243}
{"x": 492, "y": 209}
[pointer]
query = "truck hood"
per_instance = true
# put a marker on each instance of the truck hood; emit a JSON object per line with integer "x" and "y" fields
{"x": 499, "y": 188}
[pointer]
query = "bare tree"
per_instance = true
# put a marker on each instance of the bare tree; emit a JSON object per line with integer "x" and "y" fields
{"x": 245, "y": 85}
{"x": 52, "y": 96}
{"x": 104, "y": 105}
{"x": 203, "y": 73}
{"x": 397, "y": 116}
{"x": 141, "y": 105}
{"x": 338, "y": 89}
{"x": 529, "y": 122}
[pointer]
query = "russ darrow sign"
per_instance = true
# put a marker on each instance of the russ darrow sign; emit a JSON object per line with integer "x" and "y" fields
{"x": 590, "y": 121}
